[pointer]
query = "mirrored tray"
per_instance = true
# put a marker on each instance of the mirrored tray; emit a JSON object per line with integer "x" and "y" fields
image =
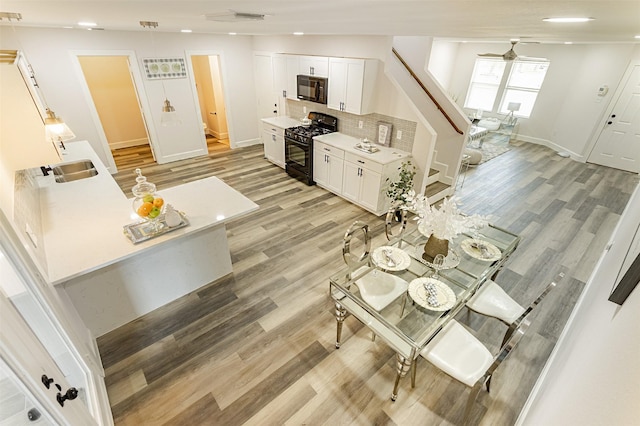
{"x": 142, "y": 231}
{"x": 451, "y": 261}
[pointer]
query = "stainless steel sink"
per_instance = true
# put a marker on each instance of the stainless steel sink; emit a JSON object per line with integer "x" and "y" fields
{"x": 68, "y": 172}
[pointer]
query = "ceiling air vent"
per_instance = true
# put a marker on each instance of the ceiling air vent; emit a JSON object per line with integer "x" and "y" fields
{"x": 233, "y": 16}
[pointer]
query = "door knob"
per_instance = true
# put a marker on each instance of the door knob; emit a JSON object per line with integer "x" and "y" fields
{"x": 46, "y": 381}
{"x": 72, "y": 393}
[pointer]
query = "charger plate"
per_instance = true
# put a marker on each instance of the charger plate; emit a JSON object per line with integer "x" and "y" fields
{"x": 492, "y": 252}
{"x": 446, "y": 297}
{"x": 400, "y": 257}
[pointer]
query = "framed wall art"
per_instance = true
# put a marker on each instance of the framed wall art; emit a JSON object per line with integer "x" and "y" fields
{"x": 156, "y": 68}
{"x": 384, "y": 133}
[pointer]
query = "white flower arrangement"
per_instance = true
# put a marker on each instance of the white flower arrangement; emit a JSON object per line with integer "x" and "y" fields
{"x": 445, "y": 222}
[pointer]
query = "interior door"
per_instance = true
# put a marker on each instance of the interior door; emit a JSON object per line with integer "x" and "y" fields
{"x": 34, "y": 343}
{"x": 267, "y": 98}
{"x": 618, "y": 145}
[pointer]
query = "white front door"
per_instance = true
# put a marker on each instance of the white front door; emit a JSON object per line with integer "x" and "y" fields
{"x": 618, "y": 145}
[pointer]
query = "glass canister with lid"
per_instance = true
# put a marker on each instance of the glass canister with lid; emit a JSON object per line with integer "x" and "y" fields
{"x": 147, "y": 204}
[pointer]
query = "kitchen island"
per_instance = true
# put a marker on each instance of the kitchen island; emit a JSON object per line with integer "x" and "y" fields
{"x": 112, "y": 281}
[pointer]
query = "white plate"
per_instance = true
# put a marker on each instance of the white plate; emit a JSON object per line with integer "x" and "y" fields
{"x": 379, "y": 289}
{"x": 446, "y": 296}
{"x": 490, "y": 254}
{"x": 401, "y": 259}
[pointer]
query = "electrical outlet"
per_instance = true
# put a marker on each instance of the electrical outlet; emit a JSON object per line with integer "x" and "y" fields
{"x": 360, "y": 124}
{"x": 399, "y": 134}
{"x": 304, "y": 109}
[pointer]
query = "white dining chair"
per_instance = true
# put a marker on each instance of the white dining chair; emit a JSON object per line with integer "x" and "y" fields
{"x": 492, "y": 301}
{"x": 377, "y": 288}
{"x": 459, "y": 354}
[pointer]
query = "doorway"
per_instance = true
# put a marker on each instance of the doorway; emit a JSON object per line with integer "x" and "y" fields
{"x": 116, "y": 101}
{"x": 209, "y": 90}
{"x": 618, "y": 144}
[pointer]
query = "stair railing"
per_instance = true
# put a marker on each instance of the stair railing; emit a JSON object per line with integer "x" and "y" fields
{"x": 424, "y": 88}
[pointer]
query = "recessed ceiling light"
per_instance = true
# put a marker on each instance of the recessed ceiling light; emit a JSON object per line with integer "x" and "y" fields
{"x": 567, "y": 20}
{"x": 87, "y": 24}
{"x": 298, "y": 33}
{"x": 568, "y": 42}
{"x": 185, "y": 31}
{"x": 233, "y": 33}
{"x": 638, "y": 36}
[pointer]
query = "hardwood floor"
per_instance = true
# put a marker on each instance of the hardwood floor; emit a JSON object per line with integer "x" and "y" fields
{"x": 257, "y": 346}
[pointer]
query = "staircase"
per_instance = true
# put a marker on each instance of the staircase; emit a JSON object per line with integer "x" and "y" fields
{"x": 435, "y": 190}
{"x": 406, "y": 67}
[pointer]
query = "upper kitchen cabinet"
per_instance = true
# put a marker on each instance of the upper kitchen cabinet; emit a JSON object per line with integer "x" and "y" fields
{"x": 317, "y": 66}
{"x": 23, "y": 142}
{"x": 352, "y": 84}
{"x": 285, "y": 70}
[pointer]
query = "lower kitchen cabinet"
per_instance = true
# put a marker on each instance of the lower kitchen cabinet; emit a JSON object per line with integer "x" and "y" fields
{"x": 360, "y": 178}
{"x": 328, "y": 163}
{"x": 273, "y": 141}
{"x": 273, "y": 138}
{"x": 362, "y": 185}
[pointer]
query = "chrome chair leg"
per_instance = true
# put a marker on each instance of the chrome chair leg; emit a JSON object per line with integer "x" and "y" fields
{"x": 473, "y": 395}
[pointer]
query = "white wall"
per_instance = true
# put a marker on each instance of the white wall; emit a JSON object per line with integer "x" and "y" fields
{"x": 593, "y": 374}
{"x": 567, "y": 112}
{"x": 48, "y": 50}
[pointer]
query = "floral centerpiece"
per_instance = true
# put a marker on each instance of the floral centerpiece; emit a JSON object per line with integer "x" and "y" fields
{"x": 442, "y": 223}
{"x": 398, "y": 191}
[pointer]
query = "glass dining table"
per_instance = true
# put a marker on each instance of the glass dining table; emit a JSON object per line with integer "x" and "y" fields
{"x": 408, "y": 322}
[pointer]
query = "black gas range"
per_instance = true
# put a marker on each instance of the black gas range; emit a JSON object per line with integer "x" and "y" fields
{"x": 298, "y": 145}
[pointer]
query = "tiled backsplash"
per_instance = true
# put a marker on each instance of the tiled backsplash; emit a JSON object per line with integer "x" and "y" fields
{"x": 349, "y": 123}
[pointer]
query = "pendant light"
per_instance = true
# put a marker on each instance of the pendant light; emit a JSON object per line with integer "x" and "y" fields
{"x": 169, "y": 116}
{"x": 56, "y": 129}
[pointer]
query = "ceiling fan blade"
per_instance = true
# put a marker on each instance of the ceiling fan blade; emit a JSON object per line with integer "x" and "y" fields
{"x": 531, "y": 58}
{"x": 490, "y": 55}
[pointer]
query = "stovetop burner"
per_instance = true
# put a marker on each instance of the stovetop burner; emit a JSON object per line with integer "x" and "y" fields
{"x": 305, "y": 133}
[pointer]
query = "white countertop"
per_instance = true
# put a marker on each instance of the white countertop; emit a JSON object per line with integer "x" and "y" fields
{"x": 282, "y": 122}
{"x": 347, "y": 143}
{"x": 83, "y": 220}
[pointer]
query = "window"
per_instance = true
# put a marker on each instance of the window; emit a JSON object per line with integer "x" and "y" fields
{"x": 520, "y": 84}
{"x": 524, "y": 82}
{"x": 485, "y": 82}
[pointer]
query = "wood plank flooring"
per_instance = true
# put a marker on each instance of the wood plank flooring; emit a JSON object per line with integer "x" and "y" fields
{"x": 257, "y": 346}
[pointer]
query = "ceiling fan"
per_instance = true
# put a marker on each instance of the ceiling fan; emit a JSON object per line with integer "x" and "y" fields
{"x": 510, "y": 54}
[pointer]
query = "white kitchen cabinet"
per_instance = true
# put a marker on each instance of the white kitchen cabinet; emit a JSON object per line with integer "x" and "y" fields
{"x": 363, "y": 183}
{"x": 317, "y": 66}
{"x": 328, "y": 164}
{"x": 285, "y": 73}
{"x": 352, "y": 85}
{"x": 273, "y": 141}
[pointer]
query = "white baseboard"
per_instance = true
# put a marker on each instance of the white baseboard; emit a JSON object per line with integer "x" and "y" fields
{"x": 129, "y": 143}
{"x": 248, "y": 142}
{"x": 217, "y": 135}
{"x": 552, "y": 145}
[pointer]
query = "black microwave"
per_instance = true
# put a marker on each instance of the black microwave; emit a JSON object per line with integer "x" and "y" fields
{"x": 312, "y": 89}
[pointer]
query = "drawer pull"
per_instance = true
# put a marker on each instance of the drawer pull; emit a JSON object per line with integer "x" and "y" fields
{"x": 361, "y": 162}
